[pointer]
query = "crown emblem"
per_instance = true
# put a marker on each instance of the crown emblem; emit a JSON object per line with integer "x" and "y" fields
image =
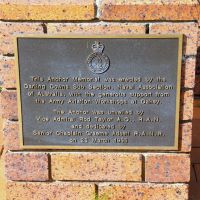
{"x": 97, "y": 61}
{"x": 98, "y": 47}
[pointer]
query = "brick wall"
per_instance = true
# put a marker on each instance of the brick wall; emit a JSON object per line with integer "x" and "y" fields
{"x": 105, "y": 175}
{"x": 197, "y": 80}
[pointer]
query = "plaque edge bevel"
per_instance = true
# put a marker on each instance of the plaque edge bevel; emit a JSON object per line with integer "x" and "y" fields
{"x": 175, "y": 147}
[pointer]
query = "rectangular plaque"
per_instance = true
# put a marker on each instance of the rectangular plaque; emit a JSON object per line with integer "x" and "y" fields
{"x": 99, "y": 92}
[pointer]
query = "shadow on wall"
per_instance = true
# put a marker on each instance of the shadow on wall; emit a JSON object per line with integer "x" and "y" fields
{"x": 195, "y": 167}
{"x": 197, "y": 79}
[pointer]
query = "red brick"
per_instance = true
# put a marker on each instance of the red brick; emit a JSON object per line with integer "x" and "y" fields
{"x": 97, "y": 166}
{"x": 149, "y": 10}
{"x": 186, "y": 105}
{"x": 7, "y": 72}
{"x": 185, "y": 137}
{"x": 47, "y": 10}
{"x": 197, "y": 80}
{"x": 27, "y": 166}
{"x": 96, "y": 28}
{"x": 11, "y": 135}
{"x": 188, "y": 73}
{"x": 189, "y": 29}
{"x": 167, "y": 168}
{"x": 142, "y": 191}
{"x": 9, "y": 104}
{"x": 9, "y": 30}
{"x": 50, "y": 191}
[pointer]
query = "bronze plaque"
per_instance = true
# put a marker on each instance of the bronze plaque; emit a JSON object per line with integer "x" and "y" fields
{"x": 99, "y": 92}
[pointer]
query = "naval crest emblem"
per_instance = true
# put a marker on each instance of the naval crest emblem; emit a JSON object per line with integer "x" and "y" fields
{"x": 97, "y": 61}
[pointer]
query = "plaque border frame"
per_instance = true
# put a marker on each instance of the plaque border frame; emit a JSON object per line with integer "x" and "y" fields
{"x": 115, "y": 148}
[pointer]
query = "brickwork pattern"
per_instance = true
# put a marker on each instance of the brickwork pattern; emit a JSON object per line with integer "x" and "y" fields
{"x": 51, "y": 191}
{"x": 97, "y": 166}
{"x": 148, "y": 10}
{"x": 47, "y": 10}
{"x": 197, "y": 80}
{"x": 141, "y": 191}
{"x": 27, "y": 166}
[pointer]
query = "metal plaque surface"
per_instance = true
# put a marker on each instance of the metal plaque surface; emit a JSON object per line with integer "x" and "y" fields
{"x": 99, "y": 92}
